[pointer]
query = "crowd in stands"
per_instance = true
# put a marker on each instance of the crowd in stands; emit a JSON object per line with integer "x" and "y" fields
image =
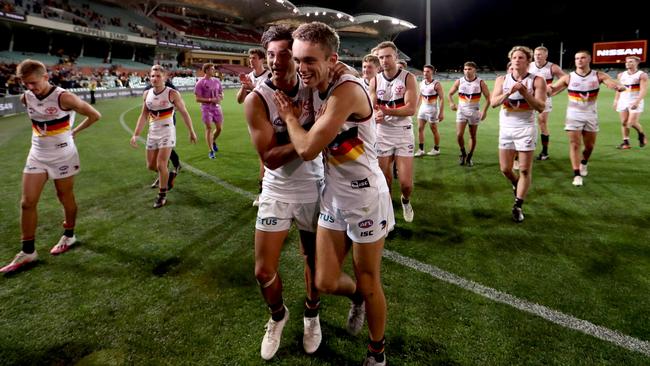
{"x": 208, "y": 28}
{"x": 185, "y": 12}
{"x": 9, "y": 84}
{"x": 69, "y": 78}
{"x": 72, "y": 77}
{"x": 81, "y": 15}
{"x": 172, "y": 24}
{"x": 163, "y": 33}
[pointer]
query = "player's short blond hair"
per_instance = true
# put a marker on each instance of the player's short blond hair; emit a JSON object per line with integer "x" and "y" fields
{"x": 30, "y": 67}
{"x": 541, "y": 48}
{"x": 525, "y": 50}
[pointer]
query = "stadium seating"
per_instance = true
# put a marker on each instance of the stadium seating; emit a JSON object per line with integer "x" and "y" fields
{"x": 234, "y": 69}
{"x": 15, "y": 57}
{"x": 92, "y": 15}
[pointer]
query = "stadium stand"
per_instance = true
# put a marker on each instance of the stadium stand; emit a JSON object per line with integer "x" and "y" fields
{"x": 116, "y": 41}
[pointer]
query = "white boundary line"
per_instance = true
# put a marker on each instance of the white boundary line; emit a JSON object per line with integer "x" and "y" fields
{"x": 557, "y": 317}
{"x": 192, "y": 169}
{"x": 568, "y": 321}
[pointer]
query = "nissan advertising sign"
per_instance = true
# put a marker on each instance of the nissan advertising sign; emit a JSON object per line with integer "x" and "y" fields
{"x": 615, "y": 52}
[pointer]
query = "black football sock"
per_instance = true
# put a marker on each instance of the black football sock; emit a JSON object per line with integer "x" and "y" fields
{"x": 28, "y": 246}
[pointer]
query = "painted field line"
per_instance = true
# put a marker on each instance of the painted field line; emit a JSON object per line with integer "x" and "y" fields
{"x": 557, "y": 317}
{"x": 554, "y": 316}
{"x": 190, "y": 168}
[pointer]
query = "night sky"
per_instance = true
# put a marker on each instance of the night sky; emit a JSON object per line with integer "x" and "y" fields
{"x": 484, "y": 31}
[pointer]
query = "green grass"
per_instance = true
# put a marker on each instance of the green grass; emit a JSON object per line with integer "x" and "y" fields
{"x": 176, "y": 285}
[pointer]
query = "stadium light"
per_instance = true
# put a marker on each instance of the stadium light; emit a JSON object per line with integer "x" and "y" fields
{"x": 395, "y": 21}
{"x": 295, "y": 10}
{"x": 351, "y": 19}
{"x": 280, "y": 1}
{"x": 339, "y": 15}
{"x": 376, "y": 21}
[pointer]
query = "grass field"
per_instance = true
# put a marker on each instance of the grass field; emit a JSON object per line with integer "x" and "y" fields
{"x": 176, "y": 286}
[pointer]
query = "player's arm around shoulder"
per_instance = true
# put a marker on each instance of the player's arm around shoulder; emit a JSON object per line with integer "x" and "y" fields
{"x": 347, "y": 99}
{"x": 341, "y": 68}
{"x": 70, "y": 101}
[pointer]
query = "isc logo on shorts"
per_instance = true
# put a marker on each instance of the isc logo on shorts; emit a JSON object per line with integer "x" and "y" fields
{"x": 269, "y": 221}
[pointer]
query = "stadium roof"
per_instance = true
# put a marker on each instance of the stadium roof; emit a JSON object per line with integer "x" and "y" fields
{"x": 261, "y": 12}
{"x": 254, "y": 11}
{"x": 305, "y": 14}
{"x": 370, "y": 24}
{"x": 376, "y": 24}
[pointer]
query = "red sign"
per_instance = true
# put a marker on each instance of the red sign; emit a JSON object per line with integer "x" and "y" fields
{"x": 615, "y": 52}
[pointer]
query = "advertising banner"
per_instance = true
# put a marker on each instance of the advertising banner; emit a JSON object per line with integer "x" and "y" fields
{"x": 615, "y": 52}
